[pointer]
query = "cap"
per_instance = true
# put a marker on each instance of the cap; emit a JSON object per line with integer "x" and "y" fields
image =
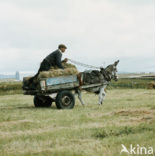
{"x": 62, "y": 46}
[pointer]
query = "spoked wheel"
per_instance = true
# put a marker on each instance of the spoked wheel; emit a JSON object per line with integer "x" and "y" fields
{"x": 65, "y": 100}
{"x": 42, "y": 101}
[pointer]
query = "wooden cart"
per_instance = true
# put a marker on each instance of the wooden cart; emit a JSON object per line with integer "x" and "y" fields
{"x": 60, "y": 90}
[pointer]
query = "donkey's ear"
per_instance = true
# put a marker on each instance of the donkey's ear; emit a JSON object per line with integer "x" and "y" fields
{"x": 116, "y": 63}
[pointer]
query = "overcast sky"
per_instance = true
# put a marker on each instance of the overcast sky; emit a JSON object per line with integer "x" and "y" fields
{"x": 96, "y": 32}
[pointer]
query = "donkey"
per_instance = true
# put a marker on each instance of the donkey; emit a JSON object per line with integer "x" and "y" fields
{"x": 103, "y": 76}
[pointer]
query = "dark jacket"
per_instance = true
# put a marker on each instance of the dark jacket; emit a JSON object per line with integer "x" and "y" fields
{"x": 54, "y": 59}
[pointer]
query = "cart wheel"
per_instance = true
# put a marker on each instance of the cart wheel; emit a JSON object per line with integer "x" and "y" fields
{"x": 42, "y": 101}
{"x": 65, "y": 100}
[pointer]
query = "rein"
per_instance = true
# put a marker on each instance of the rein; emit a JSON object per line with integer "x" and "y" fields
{"x": 105, "y": 73}
{"x": 83, "y": 65}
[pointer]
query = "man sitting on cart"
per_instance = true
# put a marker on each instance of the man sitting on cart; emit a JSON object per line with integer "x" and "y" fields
{"x": 52, "y": 60}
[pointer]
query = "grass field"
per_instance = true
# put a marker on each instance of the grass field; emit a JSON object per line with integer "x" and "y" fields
{"x": 126, "y": 117}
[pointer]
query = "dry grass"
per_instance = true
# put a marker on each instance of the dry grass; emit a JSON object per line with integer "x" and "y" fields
{"x": 151, "y": 85}
{"x": 127, "y": 116}
{"x": 69, "y": 69}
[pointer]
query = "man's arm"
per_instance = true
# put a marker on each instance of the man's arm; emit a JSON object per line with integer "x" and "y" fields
{"x": 65, "y": 60}
{"x": 58, "y": 60}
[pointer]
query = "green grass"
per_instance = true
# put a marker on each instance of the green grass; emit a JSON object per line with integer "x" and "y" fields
{"x": 133, "y": 83}
{"x": 127, "y": 116}
{"x": 10, "y": 88}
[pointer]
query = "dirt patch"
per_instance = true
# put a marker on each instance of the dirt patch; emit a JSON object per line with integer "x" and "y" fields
{"x": 10, "y": 123}
{"x": 137, "y": 116}
{"x": 146, "y": 118}
{"x": 141, "y": 119}
{"x": 133, "y": 112}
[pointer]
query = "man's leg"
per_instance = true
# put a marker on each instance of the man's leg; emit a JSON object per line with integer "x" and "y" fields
{"x": 32, "y": 78}
{"x": 44, "y": 66}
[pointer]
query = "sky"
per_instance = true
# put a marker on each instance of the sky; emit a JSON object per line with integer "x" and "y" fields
{"x": 96, "y": 32}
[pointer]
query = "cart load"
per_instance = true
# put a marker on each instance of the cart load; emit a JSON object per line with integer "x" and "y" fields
{"x": 69, "y": 69}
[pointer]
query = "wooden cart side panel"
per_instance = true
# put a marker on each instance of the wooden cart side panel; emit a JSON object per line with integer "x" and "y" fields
{"x": 63, "y": 86}
{"x": 61, "y": 80}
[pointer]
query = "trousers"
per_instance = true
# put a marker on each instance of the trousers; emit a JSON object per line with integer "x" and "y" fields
{"x": 44, "y": 66}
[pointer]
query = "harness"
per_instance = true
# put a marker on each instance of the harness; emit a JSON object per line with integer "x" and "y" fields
{"x": 104, "y": 72}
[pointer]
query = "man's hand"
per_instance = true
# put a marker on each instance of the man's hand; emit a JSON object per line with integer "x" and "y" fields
{"x": 65, "y": 60}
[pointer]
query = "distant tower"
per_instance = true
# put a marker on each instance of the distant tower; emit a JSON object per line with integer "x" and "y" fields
{"x": 17, "y": 75}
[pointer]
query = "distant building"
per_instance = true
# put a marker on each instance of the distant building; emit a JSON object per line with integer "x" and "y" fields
{"x": 16, "y": 76}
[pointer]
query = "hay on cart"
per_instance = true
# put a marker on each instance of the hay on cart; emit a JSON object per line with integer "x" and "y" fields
{"x": 69, "y": 69}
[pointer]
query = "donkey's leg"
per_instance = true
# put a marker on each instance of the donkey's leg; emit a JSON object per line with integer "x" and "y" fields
{"x": 101, "y": 94}
{"x": 80, "y": 97}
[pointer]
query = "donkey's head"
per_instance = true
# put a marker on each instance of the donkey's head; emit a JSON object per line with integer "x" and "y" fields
{"x": 110, "y": 72}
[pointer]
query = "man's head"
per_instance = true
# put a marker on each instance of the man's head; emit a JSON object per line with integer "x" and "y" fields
{"x": 62, "y": 47}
